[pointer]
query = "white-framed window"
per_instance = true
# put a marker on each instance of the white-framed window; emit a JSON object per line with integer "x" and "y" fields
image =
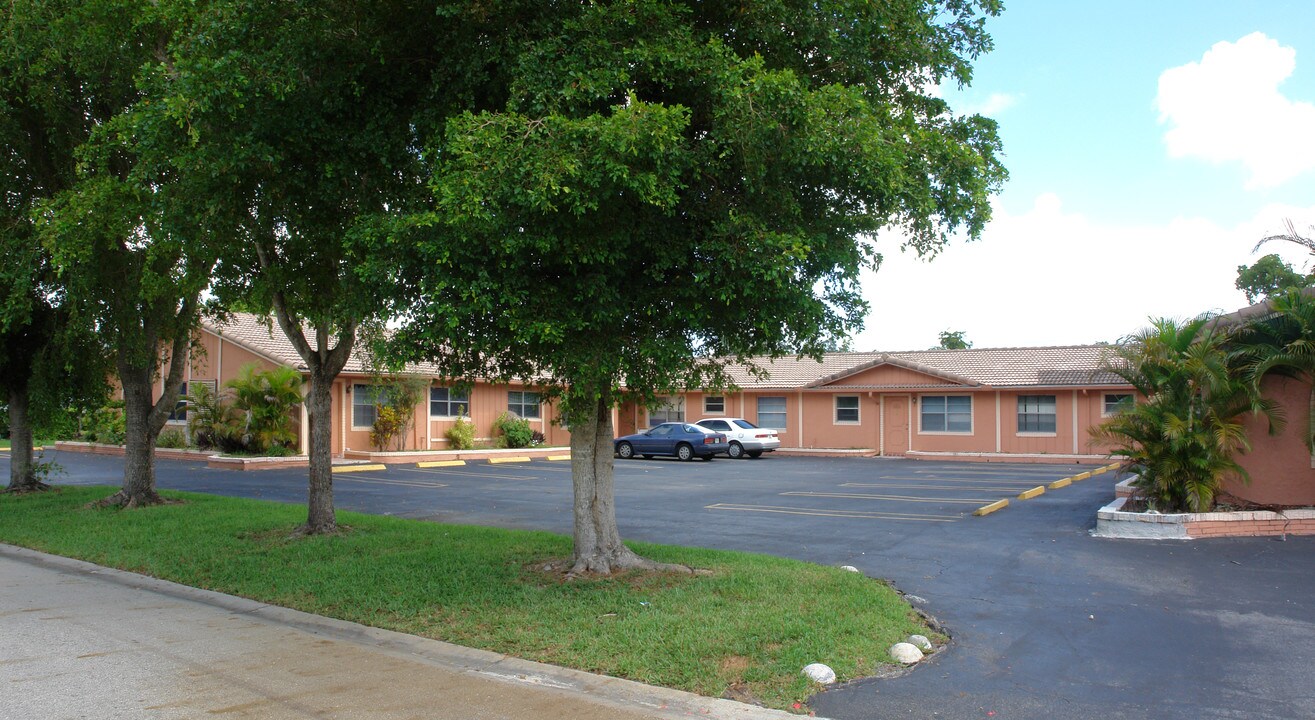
{"x": 179, "y": 413}
{"x": 365, "y": 405}
{"x": 771, "y": 412}
{"x": 1116, "y": 403}
{"x": 524, "y": 404}
{"x": 714, "y": 405}
{"x": 448, "y": 402}
{"x": 667, "y": 409}
{"x": 946, "y": 414}
{"x": 1036, "y": 414}
{"x": 846, "y": 409}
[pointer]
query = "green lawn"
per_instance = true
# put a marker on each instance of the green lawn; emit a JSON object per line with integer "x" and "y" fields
{"x": 747, "y": 628}
{"x": 4, "y": 443}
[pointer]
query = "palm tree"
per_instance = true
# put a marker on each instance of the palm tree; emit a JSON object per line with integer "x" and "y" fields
{"x": 1284, "y": 344}
{"x": 1181, "y": 440}
{"x": 268, "y": 397}
{"x": 1291, "y": 236}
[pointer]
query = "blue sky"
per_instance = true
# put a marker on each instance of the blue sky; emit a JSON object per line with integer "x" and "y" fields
{"x": 1150, "y": 145}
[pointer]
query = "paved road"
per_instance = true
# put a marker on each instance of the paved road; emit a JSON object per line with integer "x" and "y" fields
{"x": 1048, "y": 622}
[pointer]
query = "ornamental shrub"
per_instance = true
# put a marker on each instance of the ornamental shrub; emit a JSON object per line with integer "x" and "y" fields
{"x": 515, "y": 430}
{"x": 461, "y": 436}
{"x": 172, "y": 437}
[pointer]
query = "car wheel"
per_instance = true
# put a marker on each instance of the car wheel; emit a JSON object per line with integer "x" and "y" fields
{"x": 735, "y": 451}
{"x": 625, "y": 450}
{"x": 755, "y": 453}
{"x": 684, "y": 451}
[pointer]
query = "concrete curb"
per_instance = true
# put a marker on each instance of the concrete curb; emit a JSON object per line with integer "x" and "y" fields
{"x": 625, "y": 694}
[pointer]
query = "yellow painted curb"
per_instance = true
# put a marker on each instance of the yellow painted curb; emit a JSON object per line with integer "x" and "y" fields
{"x": 357, "y": 468}
{"x": 1099, "y": 471}
{"x": 441, "y": 463}
{"x": 1029, "y": 494}
{"x": 988, "y": 509}
{"x": 559, "y": 457}
{"x": 500, "y": 460}
{"x": 1112, "y": 466}
{"x": 1064, "y": 482}
{"x": 1081, "y": 476}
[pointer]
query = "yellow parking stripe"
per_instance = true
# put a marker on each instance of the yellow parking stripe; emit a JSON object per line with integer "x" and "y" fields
{"x": 441, "y": 463}
{"x": 854, "y": 514}
{"x": 501, "y": 460}
{"x": 559, "y": 457}
{"x": 897, "y": 498}
{"x": 357, "y": 468}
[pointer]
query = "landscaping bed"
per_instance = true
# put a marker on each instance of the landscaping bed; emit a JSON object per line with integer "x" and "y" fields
{"x": 1126, "y": 517}
{"x": 745, "y": 630}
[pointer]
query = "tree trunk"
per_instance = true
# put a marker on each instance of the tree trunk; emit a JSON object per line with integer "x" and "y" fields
{"x": 22, "y": 475}
{"x": 139, "y": 442}
{"x": 320, "y": 516}
{"x": 598, "y": 546}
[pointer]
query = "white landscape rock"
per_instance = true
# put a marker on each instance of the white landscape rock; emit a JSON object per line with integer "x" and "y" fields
{"x": 849, "y": 568}
{"x": 919, "y": 641}
{"x": 819, "y": 673}
{"x": 905, "y": 653}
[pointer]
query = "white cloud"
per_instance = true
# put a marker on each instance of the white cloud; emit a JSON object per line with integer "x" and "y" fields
{"x": 994, "y": 104}
{"x": 1052, "y": 277}
{"x": 1228, "y": 108}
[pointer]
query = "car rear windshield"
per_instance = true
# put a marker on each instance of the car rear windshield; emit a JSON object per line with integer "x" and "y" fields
{"x": 746, "y": 424}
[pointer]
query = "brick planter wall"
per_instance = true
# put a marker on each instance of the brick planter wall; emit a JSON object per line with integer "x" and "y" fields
{"x": 1112, "y": 521}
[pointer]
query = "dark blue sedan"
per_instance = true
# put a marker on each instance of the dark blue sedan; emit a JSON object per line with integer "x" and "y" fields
{"x": 683, "y": 440}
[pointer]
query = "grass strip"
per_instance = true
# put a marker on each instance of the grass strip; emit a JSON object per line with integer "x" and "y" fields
{"x": 744, "y": 631}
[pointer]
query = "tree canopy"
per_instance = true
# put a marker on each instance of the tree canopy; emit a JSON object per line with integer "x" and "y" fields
{"x": 954, "y": 340}
{"x": 1269, "y": 277}
{"x": 670, "y": 187}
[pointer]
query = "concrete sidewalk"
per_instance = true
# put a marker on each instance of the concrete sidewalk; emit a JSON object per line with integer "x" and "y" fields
{"x": 81, "y": 641}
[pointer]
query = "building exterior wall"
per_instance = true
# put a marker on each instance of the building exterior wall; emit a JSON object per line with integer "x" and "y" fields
{"x": 811, "y": 418}
{"x": 1280, "y": 465}
{"x": 892, "y": 376}
{"x": 487, "y": 402}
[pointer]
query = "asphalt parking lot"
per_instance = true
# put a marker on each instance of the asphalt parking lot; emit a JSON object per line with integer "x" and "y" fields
{"x": 1047, "y": 622}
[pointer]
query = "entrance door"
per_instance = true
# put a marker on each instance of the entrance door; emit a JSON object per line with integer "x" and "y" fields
{"x": 895, "y": 424}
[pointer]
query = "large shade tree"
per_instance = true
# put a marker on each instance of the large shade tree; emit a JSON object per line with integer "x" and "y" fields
{"x": 67, "y": 70}
{"x": 670, "y": 187}
{"x": 305, "y": 115}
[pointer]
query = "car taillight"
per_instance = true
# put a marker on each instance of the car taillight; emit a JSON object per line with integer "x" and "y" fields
{"x": 711, "y": 440}
{"x": 765, "y": 435}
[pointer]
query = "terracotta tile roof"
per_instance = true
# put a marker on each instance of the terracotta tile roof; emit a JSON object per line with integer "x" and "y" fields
{"x": 267, "y": 340}
{"x": 1074, "y": 365}
{"x": 1077, "y": 365}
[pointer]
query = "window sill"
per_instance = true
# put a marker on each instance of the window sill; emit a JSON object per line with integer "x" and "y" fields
{"x": 960, "y": 433}
{"x": 1036, "y": 434}
{"x": 847, "y": 422}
